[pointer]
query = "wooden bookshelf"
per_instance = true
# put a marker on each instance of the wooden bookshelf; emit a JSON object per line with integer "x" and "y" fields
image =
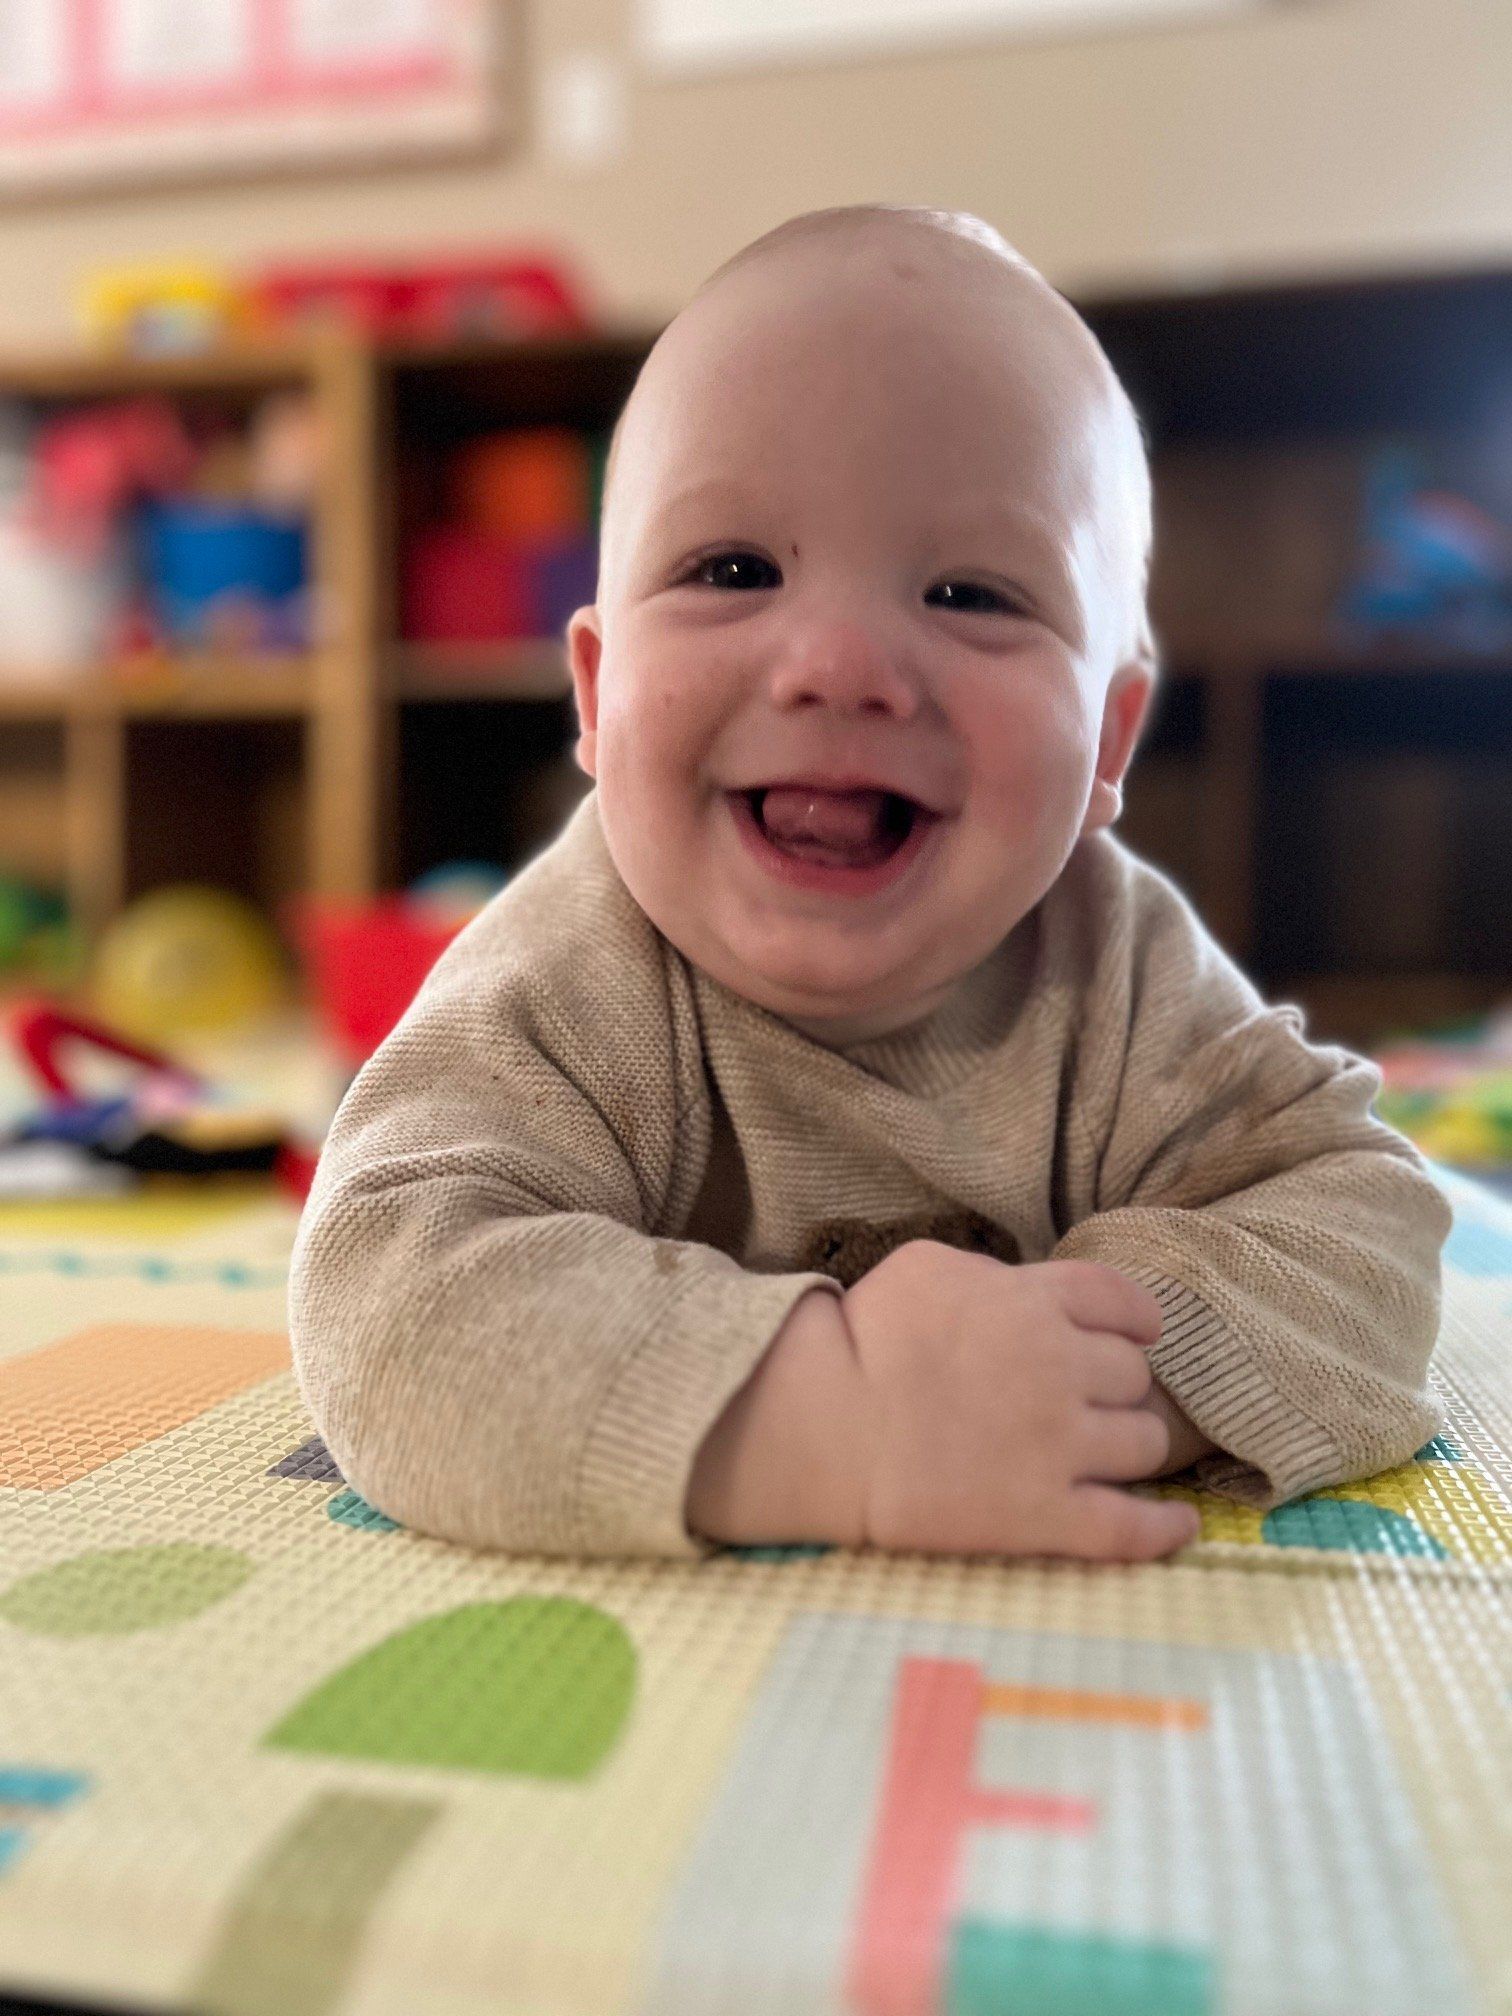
{"x": 197, "y": 686}
{"x": 102, "y": 766}
{"x": 358, "y": 765}
{"x": 1336, "y": 803}
{"x": 533, "y": 670}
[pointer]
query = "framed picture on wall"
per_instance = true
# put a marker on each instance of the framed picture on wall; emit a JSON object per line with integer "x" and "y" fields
{"x": 694, "y": 35}
{"x": 108, "y": 92}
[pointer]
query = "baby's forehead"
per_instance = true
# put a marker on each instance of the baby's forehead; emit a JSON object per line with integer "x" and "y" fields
{"x": 897, "y": 338}
{"x": 941, "y": 298}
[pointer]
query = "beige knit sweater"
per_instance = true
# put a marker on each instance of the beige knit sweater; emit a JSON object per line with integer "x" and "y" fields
{"x": 568, "y": 1204}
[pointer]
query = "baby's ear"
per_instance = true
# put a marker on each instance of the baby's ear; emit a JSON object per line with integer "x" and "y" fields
{"x": 585, "y": 645}
{"x": 1124, "y": 710}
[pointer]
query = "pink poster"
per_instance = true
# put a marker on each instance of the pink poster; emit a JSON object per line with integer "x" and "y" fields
{"x": 90, "y": 88}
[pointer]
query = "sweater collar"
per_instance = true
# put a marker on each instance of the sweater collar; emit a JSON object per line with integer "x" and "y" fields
{"x": 939, "y": 1052}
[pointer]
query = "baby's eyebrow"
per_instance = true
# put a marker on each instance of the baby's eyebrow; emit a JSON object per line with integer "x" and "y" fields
{"x": 1021, "y": 530}
{"x": 999, "y": 517}
{"x": 716, "y": 492}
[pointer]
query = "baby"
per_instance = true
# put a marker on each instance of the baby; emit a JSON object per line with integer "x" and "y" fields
{"x": 836, "y": 1134}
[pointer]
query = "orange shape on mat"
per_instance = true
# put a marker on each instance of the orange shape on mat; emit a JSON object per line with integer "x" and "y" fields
{"x": 74, "y": 1406}
{"x": 1065, "y": 1704}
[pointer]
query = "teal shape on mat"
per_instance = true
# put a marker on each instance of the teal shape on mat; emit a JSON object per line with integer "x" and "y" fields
{"x": 537, "y": 1685}
{"x": 1439, "y": 1450}
{"x": 104, "y": 1267}
{"x": 1348, "y": 1525}
{"x": 1029, "y": 1970}
{"x": 350, "y": 1508}
{"x": 118, "y": 1589}
{"x": 28, "y": 1785}
{"x": 1477, "y": 1248}
{"x": 25, "y": 1785}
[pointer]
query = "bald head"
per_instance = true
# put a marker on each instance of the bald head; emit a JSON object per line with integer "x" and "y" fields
{"x": 890, "y": 257}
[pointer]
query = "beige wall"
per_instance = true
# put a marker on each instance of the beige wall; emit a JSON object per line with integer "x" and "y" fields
{"x": 1317, "y": 136}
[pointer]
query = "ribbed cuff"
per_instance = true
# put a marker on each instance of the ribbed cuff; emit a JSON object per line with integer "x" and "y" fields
{"x": 1268, "y": 1451}
{"x": 671, "y": 1389}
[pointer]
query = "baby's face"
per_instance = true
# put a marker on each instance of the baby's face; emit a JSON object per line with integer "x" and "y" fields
{"x": 867, "y": 527}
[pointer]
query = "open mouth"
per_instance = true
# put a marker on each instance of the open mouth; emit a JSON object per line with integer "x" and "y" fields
{"x": 874, "y": 826}
{"x": 834, "y": 843}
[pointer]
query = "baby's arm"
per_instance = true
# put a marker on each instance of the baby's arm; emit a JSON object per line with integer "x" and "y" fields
{"x": 952, "y": 1405}
{"x": 1291, "y": 1238}
{"x": 788, "y": 1459}
{"x": 491, "y": 1340}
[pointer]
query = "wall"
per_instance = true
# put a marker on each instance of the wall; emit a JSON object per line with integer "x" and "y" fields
{"x": 1317, "y": 136}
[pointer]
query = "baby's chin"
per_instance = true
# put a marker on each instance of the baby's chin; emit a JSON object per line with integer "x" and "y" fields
{"x": 835, "y": 991}
{"x": 804, "y": 967}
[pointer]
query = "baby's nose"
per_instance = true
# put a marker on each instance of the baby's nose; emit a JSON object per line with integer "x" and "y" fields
{"x": 846, "y": 665}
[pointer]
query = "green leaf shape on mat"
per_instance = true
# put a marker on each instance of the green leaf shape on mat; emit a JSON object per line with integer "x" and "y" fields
{"x": 538, "y": 1685}
{"x": 1350, "y": 1526}
{"x": 118, "y": 1589}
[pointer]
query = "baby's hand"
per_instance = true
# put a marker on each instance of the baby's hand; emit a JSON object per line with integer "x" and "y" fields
{"x": 1005, "y": 1403}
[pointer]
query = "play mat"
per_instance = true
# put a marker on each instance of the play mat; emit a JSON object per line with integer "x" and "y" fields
{"x": 264, "y": 1753}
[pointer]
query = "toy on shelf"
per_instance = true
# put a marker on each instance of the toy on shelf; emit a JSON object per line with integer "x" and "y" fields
{"x": 285, "y": 448}
{"x": 61, "y": 607}
{"x": 128, "y": 529}
{"x": 492, "y": 295}
{"x": 461, "y": 587}
{"x": 37, "y": 939}
{"x": 93, "y": 462}
{"x": 366, "y": 961}
{"x": 185, "y": 959}
{"x": 1434, "y": 563}
{"x": 169, "y": 1122}
{"x": 519, "y": 552}
{"x": 67, "y": 485}
{"x": 226, "y": 576}
{"x": 165, "y": 310}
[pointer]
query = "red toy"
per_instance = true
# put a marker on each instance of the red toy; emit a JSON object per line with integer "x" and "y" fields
{"x": 482, "y": 296}
{"x": 366, "y": 962}
{"x": 167, "y": 1124}
{"x": 91, "y": 463}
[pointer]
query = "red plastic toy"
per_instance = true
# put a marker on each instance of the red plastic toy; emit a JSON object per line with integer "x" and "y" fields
{"x": 167, "y": 1124}
{"x": 366, "y": 962}
{"x": 489, "y": 295}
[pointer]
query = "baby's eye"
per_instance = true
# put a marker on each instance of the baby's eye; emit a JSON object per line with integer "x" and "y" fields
{"x": 974, "y": 597}
{"x": 736, "y": 569}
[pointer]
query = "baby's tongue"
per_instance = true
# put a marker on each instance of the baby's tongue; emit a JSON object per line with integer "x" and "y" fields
{"x": 847, "y": 824}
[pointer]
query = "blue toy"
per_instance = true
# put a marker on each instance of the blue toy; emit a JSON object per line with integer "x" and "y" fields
{"x": 1433, "y": 561}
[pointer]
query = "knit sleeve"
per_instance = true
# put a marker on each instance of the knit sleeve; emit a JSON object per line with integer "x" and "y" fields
{"x": 1292, "y": 1239}
{"x": 494, "y": 1338}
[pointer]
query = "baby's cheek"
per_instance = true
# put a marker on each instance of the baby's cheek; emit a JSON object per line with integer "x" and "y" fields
{"x": 674, "y": 726}
{"x": 1042, "y": 757}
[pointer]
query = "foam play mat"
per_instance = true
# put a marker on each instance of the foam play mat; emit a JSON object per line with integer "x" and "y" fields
{"x": 264, "y": 1753}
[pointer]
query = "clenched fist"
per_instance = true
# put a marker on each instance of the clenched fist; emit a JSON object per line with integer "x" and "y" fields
{"x": 1006, "y": 1405}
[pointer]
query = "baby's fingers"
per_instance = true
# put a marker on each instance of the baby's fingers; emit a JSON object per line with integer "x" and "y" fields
{"x": 1100, "y": 1298}
{"x": 1120, "y": 1445}
{"x": 1115, "y": 1371}
{"x": 1110, "y": 1525}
